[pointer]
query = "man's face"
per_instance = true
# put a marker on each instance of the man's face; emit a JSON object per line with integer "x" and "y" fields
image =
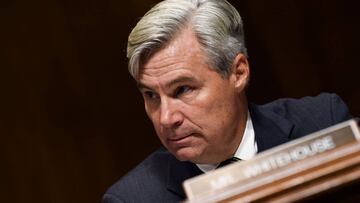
{"x": 198, "y": 115}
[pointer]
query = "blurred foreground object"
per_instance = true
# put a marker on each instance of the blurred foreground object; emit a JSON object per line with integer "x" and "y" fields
{"x": 320, "y": 163}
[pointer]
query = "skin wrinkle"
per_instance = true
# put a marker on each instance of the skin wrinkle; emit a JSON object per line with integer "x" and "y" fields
{"x": 203, "y": 124}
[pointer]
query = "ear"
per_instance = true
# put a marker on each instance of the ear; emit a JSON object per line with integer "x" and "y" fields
{"x": 241, "y": 72}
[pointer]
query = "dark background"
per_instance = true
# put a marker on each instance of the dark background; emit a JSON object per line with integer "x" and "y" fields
{"x": 71, "y": 119}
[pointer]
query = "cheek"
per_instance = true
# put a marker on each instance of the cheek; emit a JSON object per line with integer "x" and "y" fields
{"x": 160, "y": 131}
{"x": 152, "y": 115}
{"x": 210, "y": 113}
{"x": 217, "y": 113}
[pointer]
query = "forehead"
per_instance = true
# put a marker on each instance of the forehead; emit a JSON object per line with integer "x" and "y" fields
{"x": 182, "y": 55}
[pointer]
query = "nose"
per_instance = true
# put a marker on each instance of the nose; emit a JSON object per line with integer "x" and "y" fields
{"x": 170, "y": 114}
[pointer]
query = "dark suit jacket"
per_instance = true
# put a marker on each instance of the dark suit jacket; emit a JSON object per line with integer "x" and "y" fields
{"x": 159, "y": 177}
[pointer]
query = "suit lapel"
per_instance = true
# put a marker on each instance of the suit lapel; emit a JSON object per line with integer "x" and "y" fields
{"x": 270, "y": 128}
{"x": 178, "y": 172}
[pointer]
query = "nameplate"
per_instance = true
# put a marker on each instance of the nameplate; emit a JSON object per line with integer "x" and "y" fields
{"x": 309, "y": 147}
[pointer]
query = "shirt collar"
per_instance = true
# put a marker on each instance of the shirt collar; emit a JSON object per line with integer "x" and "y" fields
{"x": 246, "y": 150}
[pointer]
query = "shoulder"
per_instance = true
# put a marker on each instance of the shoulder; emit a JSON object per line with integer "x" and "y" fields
{"x": 325, "y": 106}
{"x": 142, "y": 179}
{"x": 311, "y": 113}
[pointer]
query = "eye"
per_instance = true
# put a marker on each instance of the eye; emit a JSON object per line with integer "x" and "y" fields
{"x": 182, "y": 89}
{"x": 150, "y": 95}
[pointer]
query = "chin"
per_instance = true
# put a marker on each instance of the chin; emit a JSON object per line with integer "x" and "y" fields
{"x": 186, "y": 154}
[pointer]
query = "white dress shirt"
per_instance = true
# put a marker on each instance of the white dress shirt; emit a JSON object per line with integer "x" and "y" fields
{"x": 246, "y": 150}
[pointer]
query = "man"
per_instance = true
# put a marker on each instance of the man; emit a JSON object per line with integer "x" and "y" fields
{"x": 189, "y": 60}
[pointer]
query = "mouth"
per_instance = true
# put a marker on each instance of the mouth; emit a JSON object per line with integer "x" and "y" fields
{"x": 181, "y": 141}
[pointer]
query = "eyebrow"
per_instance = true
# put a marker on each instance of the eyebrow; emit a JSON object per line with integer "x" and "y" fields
{"x": 181, "y": 79}
{"x": 171, "y": 83}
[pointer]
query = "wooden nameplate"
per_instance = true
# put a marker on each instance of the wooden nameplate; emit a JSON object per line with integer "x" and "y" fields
{"x": 296, "y": 170}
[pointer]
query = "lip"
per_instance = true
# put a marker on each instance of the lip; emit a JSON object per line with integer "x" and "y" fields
{"x": 180, "y": 141}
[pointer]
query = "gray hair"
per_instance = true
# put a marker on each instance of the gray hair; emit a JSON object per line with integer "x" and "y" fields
{"x": 216, "y": 24}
